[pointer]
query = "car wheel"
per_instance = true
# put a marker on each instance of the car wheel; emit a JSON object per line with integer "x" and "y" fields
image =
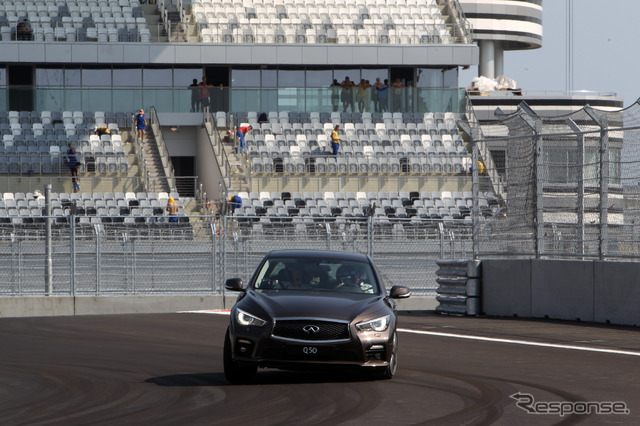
{"x": 234, "y": 372}
{"x": 389, "y": 371}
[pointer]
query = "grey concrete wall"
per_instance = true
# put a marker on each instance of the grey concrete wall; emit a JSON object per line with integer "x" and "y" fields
{"x": 607, "y": 292}
{"x": 148, "y": 304}
{"x": 562, "y": 289}
{"x": 617, "y": 292}
{"x": 506, "y": 287}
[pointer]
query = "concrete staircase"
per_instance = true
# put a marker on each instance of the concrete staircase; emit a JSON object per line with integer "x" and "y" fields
{"x": 154, "y": 23}
{"x": 240, "y": 176}
{"x": 153, "y": 164}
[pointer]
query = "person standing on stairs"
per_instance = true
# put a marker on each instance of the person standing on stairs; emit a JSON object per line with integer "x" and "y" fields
{"x": 240, "y": 133}
{"x": 141, "y": 125}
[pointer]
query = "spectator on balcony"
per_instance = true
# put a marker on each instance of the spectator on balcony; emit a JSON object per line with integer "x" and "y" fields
{"x": 361, "y": 94}
{"x": 347, "y": 94}
{"x": 204, "y": 94}
{"x": 335, "y": 95}
{"x": 172, "y": 209}
{"x": 380, "y": 99}
{"x": 335, "y": 140}
{"x": 398, "y": 87}
{"x": 195, "y": 96}
{"x": 141, "y": 125}
{"x": 24, "y": 30}
{"x": 240, "y": 133}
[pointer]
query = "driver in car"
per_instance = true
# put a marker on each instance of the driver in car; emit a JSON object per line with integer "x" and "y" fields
{"x": 349, "y": 279}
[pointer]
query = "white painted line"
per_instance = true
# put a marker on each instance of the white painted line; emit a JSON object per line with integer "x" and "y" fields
{"x": 212, "y": 311}
{"x": 521, "y": 342}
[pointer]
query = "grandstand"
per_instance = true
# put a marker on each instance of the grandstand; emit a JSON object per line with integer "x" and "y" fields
{"x": 269, "y": 64}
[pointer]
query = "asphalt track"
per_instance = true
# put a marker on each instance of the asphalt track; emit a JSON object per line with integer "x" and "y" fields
{"x": 167, "y": 369}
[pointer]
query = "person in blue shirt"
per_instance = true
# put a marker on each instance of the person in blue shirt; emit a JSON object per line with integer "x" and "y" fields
{"x": 235, "y": 202}
{"x": 141, "y": 125}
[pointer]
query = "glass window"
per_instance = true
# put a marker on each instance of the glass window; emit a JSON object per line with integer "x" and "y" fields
{"x": 269, "y": 78}
{"x": 96, "y": 77}
{"x": 72, "y": 77}
{"x": 451, "y": 77}
{"x": 372, "y": 74}
{"x": 429, "y": 77}
{"x": 245, "y": 78}
{"x": 319, "y": 78}
{"x": 291, "y": 78}
{"x": 3, "y": 76}
{"x": 49, "y": 77}
{"x": 153, "y": 77}
{"x": 353, "y": 74}
{"x": 185, "y": 76}
{"x": 127, "y": 77}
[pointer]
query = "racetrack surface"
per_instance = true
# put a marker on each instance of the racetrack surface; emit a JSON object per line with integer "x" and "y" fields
{"x": 167, "y": 369}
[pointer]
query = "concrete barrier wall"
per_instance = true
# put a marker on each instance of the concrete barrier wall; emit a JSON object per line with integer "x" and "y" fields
{"x": 617, "y": 292}
{"x": 569, "y": 290}
{"x": 147, "y": 304}
{"x": 506, "y": 287}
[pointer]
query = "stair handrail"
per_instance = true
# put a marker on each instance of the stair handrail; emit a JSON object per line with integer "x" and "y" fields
{"x": 218, "y": 149}
{"x": 161, "y": 145}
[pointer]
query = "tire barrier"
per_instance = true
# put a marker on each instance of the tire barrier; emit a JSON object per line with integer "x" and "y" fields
{"x": 458, "y": 287}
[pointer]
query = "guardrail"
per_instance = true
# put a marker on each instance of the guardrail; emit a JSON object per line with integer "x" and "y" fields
{"x": 162, "y": 150}
{"x": 459, "y": 287}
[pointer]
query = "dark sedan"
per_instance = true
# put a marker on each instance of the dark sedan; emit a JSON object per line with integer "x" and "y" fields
{"x": 307, "y": 309}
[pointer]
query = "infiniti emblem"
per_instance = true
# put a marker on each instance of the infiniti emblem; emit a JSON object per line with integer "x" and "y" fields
{"x": 310, "y": 329}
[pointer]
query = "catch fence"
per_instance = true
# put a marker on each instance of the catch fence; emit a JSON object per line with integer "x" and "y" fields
{"x": 198, "y": 256}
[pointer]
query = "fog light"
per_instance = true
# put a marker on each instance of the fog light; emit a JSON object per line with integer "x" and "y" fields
{"x": 376, "y": 353}
{"x": 244, "y": 346}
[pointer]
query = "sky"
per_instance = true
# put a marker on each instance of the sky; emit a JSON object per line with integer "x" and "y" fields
{"x": 606, "y": 51}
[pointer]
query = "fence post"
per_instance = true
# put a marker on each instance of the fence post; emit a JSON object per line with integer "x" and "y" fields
{"x": 475, "y": 189}
{"x": 370, "y": 235}
{"x": 98, "y": 230}
{"x": 539, "y": 195}
{"x": 72, "y": 246}
{"x": 48, "y": 270}
{"x": 581, "y": 166}
{"x": 223, "y": 249}
{"x": 213, "y": 255}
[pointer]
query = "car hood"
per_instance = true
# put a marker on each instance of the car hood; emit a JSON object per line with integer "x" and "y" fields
{"x": 338, "y": 306}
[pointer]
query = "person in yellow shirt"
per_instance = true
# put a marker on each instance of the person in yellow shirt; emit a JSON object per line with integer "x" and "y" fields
{"x": 335, "y": 140}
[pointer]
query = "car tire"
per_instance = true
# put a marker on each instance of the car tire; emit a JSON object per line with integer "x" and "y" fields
{"x": 234, "y": 372}
{"x": 388, "y": 372}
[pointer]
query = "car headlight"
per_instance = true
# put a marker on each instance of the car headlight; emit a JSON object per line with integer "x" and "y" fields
{"x": 246, "y": 319}
{"x": 378, "y": 324}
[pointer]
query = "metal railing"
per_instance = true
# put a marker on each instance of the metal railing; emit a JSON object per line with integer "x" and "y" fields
{"x": 165, "y": 158}
{"x": 178, "y": 99}
{"x": 149, "y": 255}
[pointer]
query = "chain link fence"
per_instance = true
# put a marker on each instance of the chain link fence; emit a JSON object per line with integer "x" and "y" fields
{"x": 566, "y": 187}
{"x": 198, "y": 256}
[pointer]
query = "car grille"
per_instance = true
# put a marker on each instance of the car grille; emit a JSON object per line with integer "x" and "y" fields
{"x": 326, "y": 330}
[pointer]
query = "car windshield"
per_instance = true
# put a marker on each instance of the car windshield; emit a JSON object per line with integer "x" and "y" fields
{"x": 330, "y": 275}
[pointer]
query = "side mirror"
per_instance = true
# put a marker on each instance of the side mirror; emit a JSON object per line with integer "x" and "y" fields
{"x": 234, "y": 284}
{"x": 399, "y": 292}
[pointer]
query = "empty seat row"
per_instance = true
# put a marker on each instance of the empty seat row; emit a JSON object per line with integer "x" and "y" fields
{"x": 326, "y": 118}
{"x": 421, "y": 23}
{"x": 361, "y": 165}
{"x": 29, "y": 164}
{"x": 113, "y": 120}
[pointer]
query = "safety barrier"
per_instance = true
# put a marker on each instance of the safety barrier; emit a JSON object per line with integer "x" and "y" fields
{"x": 459, "y": 287}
